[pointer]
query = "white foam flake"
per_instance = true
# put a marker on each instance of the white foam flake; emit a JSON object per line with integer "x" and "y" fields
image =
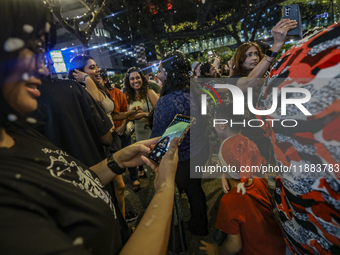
{"x": 12, "y": 117}
{"x": 150, "y": 221}
{"x": 25, "y": 77}
{"x": 13, "y": 44}
{"x": 31, "y": 120}
{"x": 27, "y": 28}
{"x": 47, "y": 27}
{"x": 78, "y": 241}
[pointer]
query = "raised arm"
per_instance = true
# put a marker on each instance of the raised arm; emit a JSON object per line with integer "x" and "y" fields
{"x": 153, "y": 97}
{"x": 152, "y": 233}
{"x": 91, "y": 87}
{"x": 279, "y": 33}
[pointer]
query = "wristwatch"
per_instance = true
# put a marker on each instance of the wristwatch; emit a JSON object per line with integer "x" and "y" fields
{"x": 147, "y": 114}
{"x": 85, "y": 78}
{"x": 113, "y": 165}
{"x": 272, "y": 54}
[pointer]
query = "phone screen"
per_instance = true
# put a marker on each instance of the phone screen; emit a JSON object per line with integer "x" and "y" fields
{"x": 210, "y": 53}
{"x": 179, "y": 127}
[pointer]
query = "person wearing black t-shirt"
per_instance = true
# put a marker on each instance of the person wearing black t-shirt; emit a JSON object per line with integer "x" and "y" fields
{"x": 51, "y": 203}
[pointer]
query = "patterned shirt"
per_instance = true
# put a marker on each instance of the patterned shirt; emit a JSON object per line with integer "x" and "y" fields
{"x": 307, "y": 195}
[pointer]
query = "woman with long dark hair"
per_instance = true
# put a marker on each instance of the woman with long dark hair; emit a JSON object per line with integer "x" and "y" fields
{"x": 138, "y": 94}
{"x": 85, "y": 70}
{"x": 51, "y": 203}
{"x": 174, "y": 72}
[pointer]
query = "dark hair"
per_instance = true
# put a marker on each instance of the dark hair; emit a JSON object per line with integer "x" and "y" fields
{"x": 205, "y": 68}
{"x": 240, "y": 57}
{"x": 178, "y": 72}
{"x": 27, "y": 20}
{"x": 103, "y": 74}
{"x": 226, "y": 112}
{"x": 129, "y": 91}
{"x": 264, "y": 46}
{"x": 78, "y": 62}
{"x": 223, "y": 71}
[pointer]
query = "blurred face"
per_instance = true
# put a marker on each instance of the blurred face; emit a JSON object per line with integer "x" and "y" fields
{"x": 220, "y": 129}
{"x": 212, "y": 71}
{"x": 92, "y": 69}
{"x": 252, "y": 59}
{"x": 20, "y": 89}
{"x": 135, "y": 81}
{"x": 197, "y": 70}
{"x": 101, "y": 81}
{"x": 161, "y": 73}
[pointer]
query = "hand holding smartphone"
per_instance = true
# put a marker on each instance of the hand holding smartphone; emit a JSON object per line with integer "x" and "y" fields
{"x": 292, "y": 12}
{"x": 179, "y": 127}
{"x": 211, "y": 53}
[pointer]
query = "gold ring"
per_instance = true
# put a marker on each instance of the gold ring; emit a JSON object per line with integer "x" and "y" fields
{"x": 284, "y": 26}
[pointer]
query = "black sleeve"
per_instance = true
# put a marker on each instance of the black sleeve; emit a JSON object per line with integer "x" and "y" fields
{"x": 26, "y": 228}
{"x": 234, "y": 79}
{"x": 100, "y": 119}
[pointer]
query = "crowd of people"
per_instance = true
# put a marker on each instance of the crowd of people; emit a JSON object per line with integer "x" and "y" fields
{"x": 64, "y": 145}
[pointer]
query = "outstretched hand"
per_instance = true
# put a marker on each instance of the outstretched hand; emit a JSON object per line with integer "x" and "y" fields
{"x": 281, "y": 29}
{"x": 168, "y": 166}
{"x": 131, "y": 156}
{"x": 137, "y": 116}
{"x": 225, "y": 184}
{"x": 209, "y": 248}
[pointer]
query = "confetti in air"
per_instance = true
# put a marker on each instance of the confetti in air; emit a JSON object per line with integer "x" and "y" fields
{"x": 28, "y": 28}
{"x": 13, "y": 44}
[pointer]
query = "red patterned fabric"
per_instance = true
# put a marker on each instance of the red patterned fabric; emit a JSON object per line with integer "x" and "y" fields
{"x": 308, "y": 195}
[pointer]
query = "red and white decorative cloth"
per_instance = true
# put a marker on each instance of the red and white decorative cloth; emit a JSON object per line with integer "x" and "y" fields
{"x": 308, "y": 196}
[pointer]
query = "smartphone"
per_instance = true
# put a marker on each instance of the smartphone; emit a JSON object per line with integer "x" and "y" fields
{"x": 293, "y": 12}
{"x": 211, "y": 53}
{"x": 178, "y": 127}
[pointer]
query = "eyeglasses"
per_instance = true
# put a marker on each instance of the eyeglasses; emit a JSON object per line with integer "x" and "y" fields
{"x": 38, "y": 47}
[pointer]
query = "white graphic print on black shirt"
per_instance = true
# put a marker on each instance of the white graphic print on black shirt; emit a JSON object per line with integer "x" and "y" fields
{"x": 86, "y": 182}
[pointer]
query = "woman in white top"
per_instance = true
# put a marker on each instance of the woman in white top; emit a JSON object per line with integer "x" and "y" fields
{"x": 138, "y": 94}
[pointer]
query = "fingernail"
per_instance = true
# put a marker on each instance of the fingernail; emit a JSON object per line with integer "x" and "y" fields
{"x": 176, "y": 139}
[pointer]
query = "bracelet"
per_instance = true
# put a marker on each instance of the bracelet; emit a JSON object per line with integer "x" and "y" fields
{"x": 85, "y": 78}
{"x": 112, "y": 164}
{"x": 268, "y": 60}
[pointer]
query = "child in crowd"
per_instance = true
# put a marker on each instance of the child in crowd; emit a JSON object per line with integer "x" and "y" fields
{"x": 247, "y": 218}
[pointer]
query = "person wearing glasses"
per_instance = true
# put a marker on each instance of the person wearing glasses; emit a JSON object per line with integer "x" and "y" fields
{"x": 51, "y": 203}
